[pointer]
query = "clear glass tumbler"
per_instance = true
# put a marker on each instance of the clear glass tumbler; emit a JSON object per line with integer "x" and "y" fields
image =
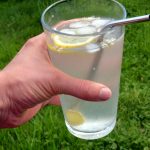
{"x": 77, "y": 47}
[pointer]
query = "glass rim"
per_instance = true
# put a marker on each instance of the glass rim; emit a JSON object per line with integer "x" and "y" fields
{"x": 51, "y": 29}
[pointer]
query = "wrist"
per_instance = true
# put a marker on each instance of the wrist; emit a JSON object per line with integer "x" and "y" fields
{"x": 2, "y": 79}
{"x": 4, "y": 104}
{"x": 10, "y": 116}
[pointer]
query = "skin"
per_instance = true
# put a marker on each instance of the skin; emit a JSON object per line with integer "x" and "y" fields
{"x": 30, "y": 81}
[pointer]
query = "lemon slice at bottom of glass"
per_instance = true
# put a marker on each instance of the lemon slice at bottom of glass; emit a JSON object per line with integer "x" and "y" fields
{"x": 70, "y": 41}
{"x": 74, "y": 117}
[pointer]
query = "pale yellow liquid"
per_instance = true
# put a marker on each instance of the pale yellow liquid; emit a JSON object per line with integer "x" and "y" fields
{"x": 102, "y": 65}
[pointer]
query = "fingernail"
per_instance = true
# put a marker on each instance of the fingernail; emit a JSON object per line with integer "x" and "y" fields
{"x": 105, "y": 93}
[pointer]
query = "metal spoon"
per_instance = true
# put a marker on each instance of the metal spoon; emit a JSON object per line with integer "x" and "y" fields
{"x": 126, "y": 21}
{"x": 129, "y": 21}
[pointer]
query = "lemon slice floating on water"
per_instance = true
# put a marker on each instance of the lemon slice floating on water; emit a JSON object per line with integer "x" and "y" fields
{"x": 71, "y": 42}
{"x": 65, "y": 41}
{"x": 74, "y": 117}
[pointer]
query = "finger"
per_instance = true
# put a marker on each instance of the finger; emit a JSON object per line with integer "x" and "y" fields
{"x": 35, "y": 41}
{"x": 37, "y": 47}
{"x": 40, "y": 39}
{"x": 83, "y": 89}
{"x": 53, "y": 101}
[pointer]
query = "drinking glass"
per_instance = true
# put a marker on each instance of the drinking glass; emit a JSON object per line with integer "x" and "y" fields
{"x": 77, "y": 47}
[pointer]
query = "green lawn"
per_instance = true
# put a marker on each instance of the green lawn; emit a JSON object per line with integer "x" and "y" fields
{"x": 19, "y": 20}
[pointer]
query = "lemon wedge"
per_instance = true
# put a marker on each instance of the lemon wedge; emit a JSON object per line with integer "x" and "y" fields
{"x": 74, "y": 117}
{"x": 70, "y": 41}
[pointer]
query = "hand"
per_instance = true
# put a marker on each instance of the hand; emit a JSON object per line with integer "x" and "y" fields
{"x": 31, "y": 81}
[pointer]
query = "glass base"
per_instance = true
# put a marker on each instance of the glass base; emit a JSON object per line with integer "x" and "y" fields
{"x": 91, "y": 135}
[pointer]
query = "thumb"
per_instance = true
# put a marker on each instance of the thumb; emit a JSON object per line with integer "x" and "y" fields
{"x": 83, "y": 89}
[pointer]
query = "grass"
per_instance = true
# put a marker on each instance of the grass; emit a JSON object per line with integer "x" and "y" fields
{"x": 20, "y": 20}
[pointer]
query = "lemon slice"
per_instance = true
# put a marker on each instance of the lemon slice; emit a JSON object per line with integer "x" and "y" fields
{"x": 59, "y": 49}
{"x": 73, "y": 27}
{"x": 71, "y": 42}
{"x": 74, "y": 117}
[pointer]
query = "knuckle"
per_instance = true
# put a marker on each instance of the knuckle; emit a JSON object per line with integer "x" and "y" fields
{"x": 55, "y": 81}
{"x": 30, "y": 42}
{"x": 55, "y": 75}
{"x": 37, "y": 41}
{"x": 88, "y": 90}
{"x": 85, "y": 85}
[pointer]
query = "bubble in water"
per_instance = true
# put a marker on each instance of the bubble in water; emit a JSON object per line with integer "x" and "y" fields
{"x": 93, "y": 68}
{"x": 110, "y": 41}
{"x": 104, "y": 44}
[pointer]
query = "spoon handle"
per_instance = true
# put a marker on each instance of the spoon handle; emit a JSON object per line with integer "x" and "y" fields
{"x": 130, "y": 20}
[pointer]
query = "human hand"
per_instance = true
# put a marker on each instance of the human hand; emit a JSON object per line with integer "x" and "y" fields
{"x": 31, "y": 81}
